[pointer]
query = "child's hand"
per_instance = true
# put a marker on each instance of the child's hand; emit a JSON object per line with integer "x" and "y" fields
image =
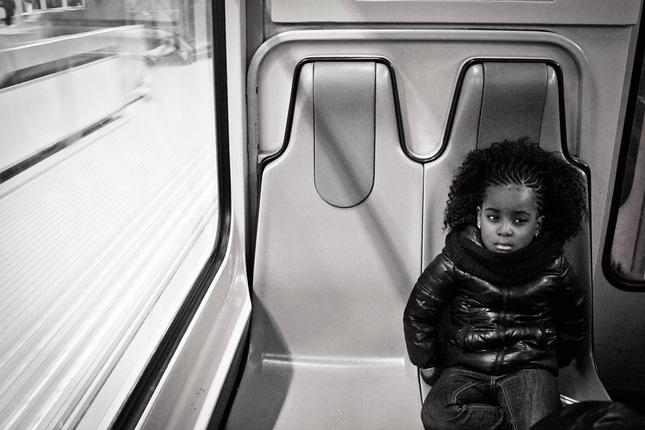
{"x": 431, "y": 374}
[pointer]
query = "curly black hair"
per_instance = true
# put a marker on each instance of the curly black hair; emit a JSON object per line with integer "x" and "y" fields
{"x": 558, "y": 186}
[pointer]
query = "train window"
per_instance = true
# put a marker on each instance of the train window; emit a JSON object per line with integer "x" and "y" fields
{"x": 109, "y": 197}
{"x": 626, "y": 258}
{"x": 30, "y": 5}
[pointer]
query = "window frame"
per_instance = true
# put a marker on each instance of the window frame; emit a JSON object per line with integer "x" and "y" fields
{"x": 625, "y": 155}
{"x": 133, "y": 409}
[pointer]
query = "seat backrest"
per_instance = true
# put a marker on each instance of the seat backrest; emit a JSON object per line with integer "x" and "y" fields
{"x": 495, "y": 101}
{"x": 337, "y": 251}
{"x": 511, "y": 100}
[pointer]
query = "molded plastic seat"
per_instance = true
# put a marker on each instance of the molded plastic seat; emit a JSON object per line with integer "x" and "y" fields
{"x": 337, "y": 252}
{"x": 512, "y": 100}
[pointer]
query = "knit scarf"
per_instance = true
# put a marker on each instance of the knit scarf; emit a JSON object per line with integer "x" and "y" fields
{"x": 465, "y": 249}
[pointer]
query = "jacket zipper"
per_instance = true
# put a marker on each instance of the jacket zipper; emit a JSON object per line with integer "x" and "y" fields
{"x": 502, "y": 318}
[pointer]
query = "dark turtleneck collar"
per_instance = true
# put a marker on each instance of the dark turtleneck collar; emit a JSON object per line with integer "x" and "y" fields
{"x": 464, "y": 247}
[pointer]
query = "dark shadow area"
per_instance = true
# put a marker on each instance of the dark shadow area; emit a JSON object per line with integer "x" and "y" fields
{"x": 633, "y": 399}
{"x": 265, "y": 383}
{"x": 593, "y": 416}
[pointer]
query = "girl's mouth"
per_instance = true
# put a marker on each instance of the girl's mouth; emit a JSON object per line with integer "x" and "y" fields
{"x": 504, "y": 246}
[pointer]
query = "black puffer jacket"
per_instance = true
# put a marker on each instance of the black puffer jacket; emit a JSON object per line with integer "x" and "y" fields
{"x": 535, "y": 317}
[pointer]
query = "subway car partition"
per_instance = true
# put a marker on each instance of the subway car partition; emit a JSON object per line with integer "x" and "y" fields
{"x": 351, "y": 201}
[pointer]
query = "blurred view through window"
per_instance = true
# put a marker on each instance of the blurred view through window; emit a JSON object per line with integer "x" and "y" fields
{"x": 108, "y": 196}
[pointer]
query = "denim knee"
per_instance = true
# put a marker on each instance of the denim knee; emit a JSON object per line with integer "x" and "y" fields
{"x": 463, "y": 417}
{"x": 461, "y": 399}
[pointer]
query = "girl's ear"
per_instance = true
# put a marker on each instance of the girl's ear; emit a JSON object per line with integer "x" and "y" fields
{"x": 479, "y": 213}
{"x": 538, "y": 224}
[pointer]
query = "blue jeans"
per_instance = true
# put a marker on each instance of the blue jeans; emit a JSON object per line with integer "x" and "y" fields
{"x": 464, "y": 399}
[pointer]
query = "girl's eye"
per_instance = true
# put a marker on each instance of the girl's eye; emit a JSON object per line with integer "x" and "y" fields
{"x": 521, "y": 221}
{"x": 492, "y": 217}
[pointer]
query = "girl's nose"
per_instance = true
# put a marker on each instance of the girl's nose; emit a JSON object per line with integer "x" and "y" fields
{"x": 505, "y": 229}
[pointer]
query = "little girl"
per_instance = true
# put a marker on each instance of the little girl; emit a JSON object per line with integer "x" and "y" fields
{"x": 517, "y": 309}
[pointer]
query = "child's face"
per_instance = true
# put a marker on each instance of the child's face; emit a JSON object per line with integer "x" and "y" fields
{"x": 508, "y": 217}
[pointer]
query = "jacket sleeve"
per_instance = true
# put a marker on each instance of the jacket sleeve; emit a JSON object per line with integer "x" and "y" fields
{"x": 430, "y": 296}
{"x": 570, "y": 315}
